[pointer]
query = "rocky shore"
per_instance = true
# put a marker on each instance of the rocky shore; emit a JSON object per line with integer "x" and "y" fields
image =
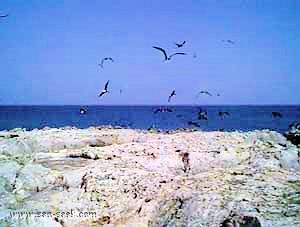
{"x": 140, "y": 178}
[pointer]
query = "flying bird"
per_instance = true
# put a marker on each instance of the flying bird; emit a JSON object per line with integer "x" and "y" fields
{"x": 294, "y": 125}
{"x": 106, "y": 59}
{"x": 223, "y": 113}
{"x": 204, "y": 92}
{"x": 104, "y": 90}
{"x": 83, "y": 111}
{"x": 179, "y": 53}
{"x": 193, "y": 123}
{"x": 3, "y": 16}
{"x": 171, "y": 95}
{"x": 162, "y": 109}
{"x": 202, "y": 115}
{"x": 229, "y": 41}
{"x": 165, "y": 53}
{"x": 276, "y": 114}
{"x": 180, "y": 44}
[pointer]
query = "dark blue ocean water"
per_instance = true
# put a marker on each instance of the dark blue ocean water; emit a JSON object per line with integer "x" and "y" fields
{"x": 242, "y": 118}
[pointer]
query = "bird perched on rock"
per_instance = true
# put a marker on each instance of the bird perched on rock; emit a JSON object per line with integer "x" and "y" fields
{"x": 186, "y": 161}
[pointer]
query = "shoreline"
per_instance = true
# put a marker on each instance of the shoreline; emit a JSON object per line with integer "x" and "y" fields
{"x": 140, "y": 178}
{"x": 150, "y": 129}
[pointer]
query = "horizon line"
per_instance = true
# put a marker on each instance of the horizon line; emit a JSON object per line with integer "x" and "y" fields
{"x": 149, "y": 104}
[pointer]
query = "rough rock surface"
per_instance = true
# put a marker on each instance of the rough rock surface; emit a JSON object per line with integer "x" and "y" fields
{"x": 137, "y": 178}
{"x": 293, "y": 134}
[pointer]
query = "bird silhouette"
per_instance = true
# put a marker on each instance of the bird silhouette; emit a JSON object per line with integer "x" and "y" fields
{"x": 294, "y": 125}
{"x": 173, "y": 93}
{"x": 165, "y": 53}
{"x": 3, "y": 16}
{"x": 204, "y": 92}
{"x": 223, "y": 113}
{"x": 104, "y": 90}
{"x": 229, "y": 41}
{"x": 163, "y": 109}
{"x": 194, "y": 123}
{"x": 202, "y": 115}
{"x": 180, "y": 44}
{"x": 105, "y": 59}
{"x": 83, "y": 111}
{"x": 178, "y": 53}
{"x": 276, "y": 114}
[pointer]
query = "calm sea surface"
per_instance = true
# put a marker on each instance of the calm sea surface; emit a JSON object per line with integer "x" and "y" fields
{"x": 242, "y": 118}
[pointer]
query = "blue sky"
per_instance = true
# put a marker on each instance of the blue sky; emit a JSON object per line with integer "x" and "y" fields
{"x": 50, "y": 50}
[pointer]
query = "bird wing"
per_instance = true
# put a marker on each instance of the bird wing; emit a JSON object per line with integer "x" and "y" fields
{"x": 2, "y": 16}
{"x": 183, "y": 43}
{"x": 205, "y": 92}
{"x": 162, "y": 50}
{"x": 106, "y": 85}
{"x": 179, "y": 53}
{"x": 102, "y": 61}
{"x": 102, "y": 93}
{"x": 105, "y": 59}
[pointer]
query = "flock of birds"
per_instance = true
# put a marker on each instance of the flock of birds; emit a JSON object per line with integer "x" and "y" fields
{"x": 202, "y": 114}
{"x": 166, "y": 58}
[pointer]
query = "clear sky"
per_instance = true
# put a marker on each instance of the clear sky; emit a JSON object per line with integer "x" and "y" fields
{"x": 50, "y": 50}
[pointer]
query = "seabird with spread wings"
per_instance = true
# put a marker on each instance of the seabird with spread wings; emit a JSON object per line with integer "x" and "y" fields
{"x": 171, "y": 95}
{"x": 106, "y": 59}
{"x": 104, "y": 90}
{"x": 180, "y": 44}
{"x": 168, "y": 58}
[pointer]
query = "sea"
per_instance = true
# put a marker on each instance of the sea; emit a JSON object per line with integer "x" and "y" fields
{"x": 241, "y": 118}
